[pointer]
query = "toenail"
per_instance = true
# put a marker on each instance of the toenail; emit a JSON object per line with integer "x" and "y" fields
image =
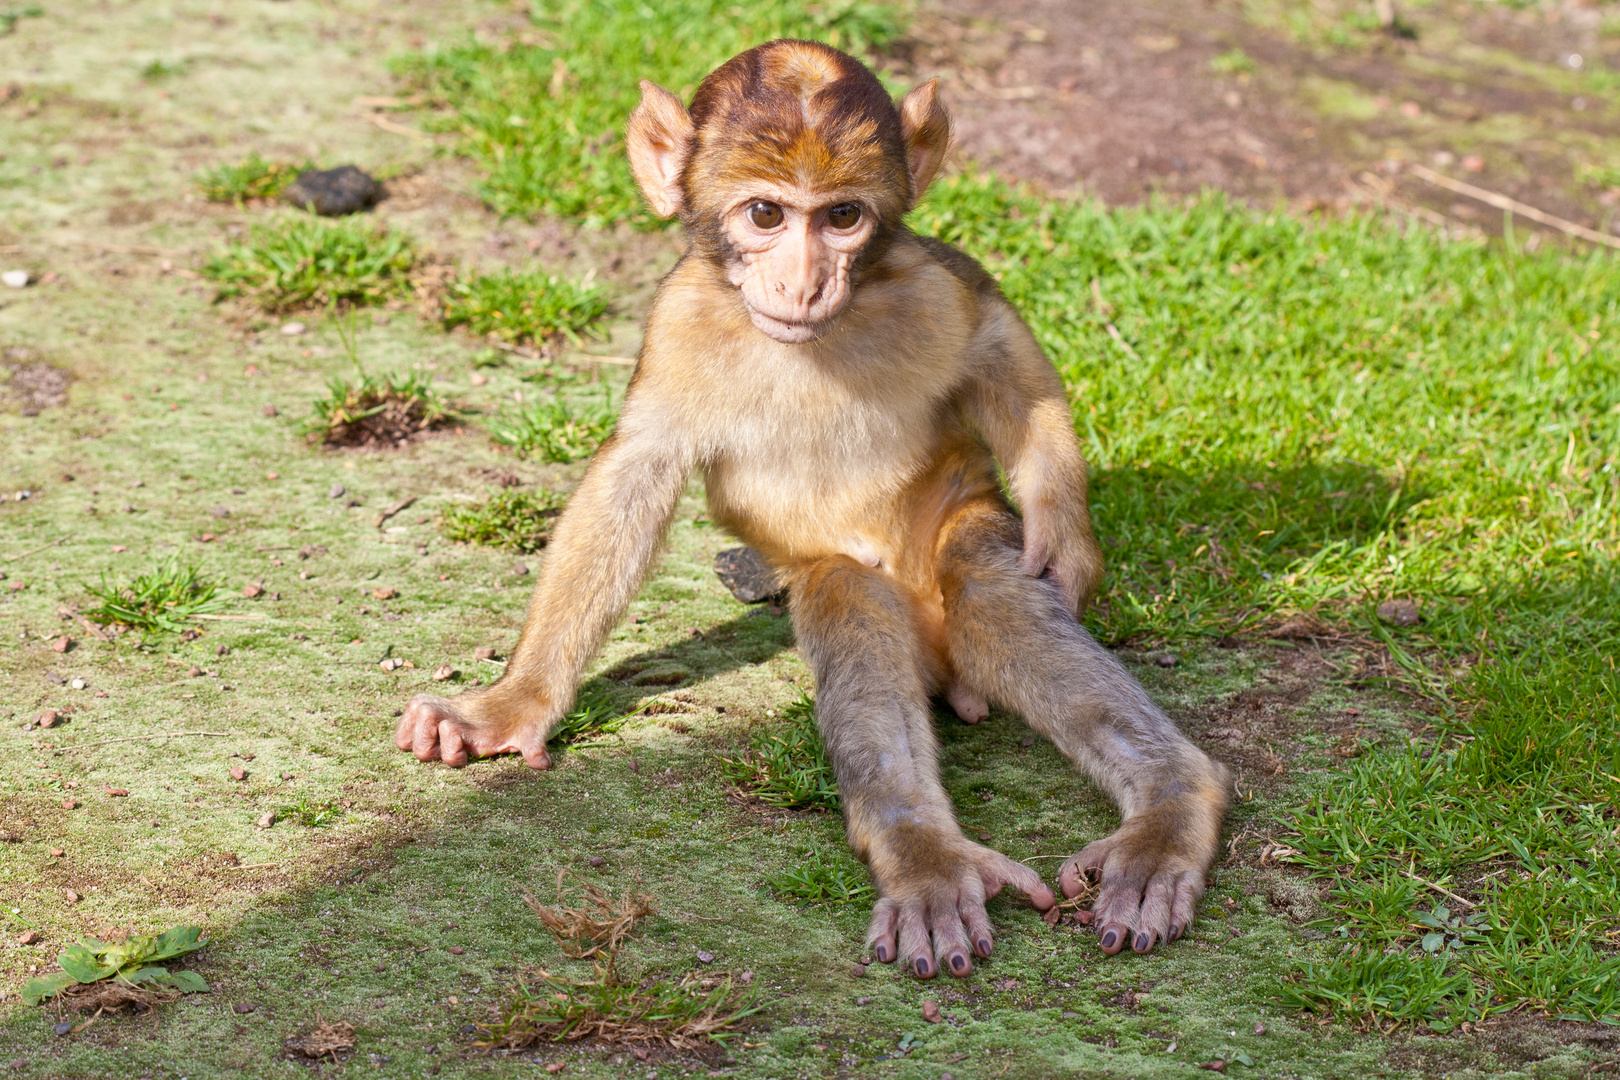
{"x": 958, "y": 962}
{"x": 921, "y": 965}
{"x": 984, "y": 946}
{"x": 1175, "y": 932}
{"x": 1108, "y": 939}
{"x": 1143, "y": 943}
{"x": 883, "y": 954}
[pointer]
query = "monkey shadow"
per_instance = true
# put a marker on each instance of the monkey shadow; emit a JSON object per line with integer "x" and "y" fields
{"x": 1257, "y": 512}
{"x": 751, "y": 638}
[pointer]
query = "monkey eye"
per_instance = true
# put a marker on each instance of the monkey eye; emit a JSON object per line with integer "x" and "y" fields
{"x": 844, "y": 216}
{"x": 765, "y": 215}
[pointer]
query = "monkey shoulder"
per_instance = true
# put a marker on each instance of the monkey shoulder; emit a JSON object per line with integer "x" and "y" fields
{"x": 962, "y": 266}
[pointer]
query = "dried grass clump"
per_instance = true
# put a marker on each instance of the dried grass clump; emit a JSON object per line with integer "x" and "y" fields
{"x": 681, "y": 1015}
{"x": 325, "y": 1039}
{"x": 586, "y": 921}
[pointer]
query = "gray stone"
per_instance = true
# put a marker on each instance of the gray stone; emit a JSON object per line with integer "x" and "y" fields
{"x": 334, "y": 192}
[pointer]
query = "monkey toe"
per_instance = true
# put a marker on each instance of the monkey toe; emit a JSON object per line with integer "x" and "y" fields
{"x": 969, "y": 706}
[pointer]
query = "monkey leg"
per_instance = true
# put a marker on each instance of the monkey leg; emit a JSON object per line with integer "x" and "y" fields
{"x": 858, "y": 631}
{"x": 1009, "y": 636}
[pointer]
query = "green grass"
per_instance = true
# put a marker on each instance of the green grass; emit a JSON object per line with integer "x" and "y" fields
{"x": 524, "y": 306}
{"x": 311, "y": 815}
{"x": 544, "y": 116}
{"x": 555, "y": 428}
{"x": 1317, "y": 416}
{"x": 514, "y": 520}
{"x": 251, "y": 178}
{"x": 817, "y": 879}
{"x": 1232, "y": 62}
{"x": 368, "y": 408}
{"x": 786, "y": 765}
{"x": 303, "y": 261}
{"x": 166, "y": 599}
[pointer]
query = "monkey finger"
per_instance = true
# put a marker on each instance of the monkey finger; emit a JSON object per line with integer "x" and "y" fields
{"x": 978, "y": 926}
{"x": 880, "y": 931}
{"x": 425, "y": 738}
{"x": 1188, "y": 890}
{"x": 1002, "y": 871}
{"x": 452, "y": 746}
{"x": 1153, "y": 923}
{"x": 533, "y": 748}
{"x": 1085, "y": 867}
{"x": 950, "y": 940}
{"x": 914, "y": 940}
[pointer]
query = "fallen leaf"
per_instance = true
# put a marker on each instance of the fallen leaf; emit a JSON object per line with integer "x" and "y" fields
{"x": 931, "y": 1011}
{"x": 1218, "y": 1065}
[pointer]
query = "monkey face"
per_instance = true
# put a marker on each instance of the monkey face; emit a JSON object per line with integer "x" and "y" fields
{"x": 790, "y": 253}
{"x": 792, "y": 166}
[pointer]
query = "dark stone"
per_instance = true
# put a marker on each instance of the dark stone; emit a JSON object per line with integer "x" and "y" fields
{"x": 334, "y": 192}
{"x": 1399, "y": 612}
{"x": 749, "y": 577}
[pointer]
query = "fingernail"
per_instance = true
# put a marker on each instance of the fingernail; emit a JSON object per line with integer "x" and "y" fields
{"x": 1143, "y": 943}
{"x": 883, "y": 954}
{"x": 922, "y": 966}
{"x": 1108, "y": 939}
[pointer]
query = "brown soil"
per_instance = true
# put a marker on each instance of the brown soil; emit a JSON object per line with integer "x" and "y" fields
{"x": 29, "y": 383}
{"x": 1118, "y": 99}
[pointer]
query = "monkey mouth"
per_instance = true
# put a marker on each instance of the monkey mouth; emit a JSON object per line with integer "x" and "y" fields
{"x": 788, "y": 333}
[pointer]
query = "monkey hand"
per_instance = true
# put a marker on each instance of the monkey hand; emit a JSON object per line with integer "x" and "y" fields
{"x": 1150, "y": 870}
{"x": 476, "y": 724}
{"x": 1065, "y": 553}
{"x": 934, "y": 887}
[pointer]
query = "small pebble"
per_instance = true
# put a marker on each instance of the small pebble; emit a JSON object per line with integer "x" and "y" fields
{"x": 484, "y": 652}
{"x": 267, "y": 819}
{"x": 443, "y": 672}
{"x": 1027, "y": 740}
{"x": 29, "y": 937}
{"x": 16, "y": 279}
{"x": 520, "y": 569}
{"x": 70, "y": 804}
{"x": 242, "y": 1008}
{"x": 858, "y": 970}
{"x": 1167, "y": 660}
{"x": 1259, "y": 1029}
{"x": 292, "y": 329}
{"x": 57, "y": 853}
{"x": 62, "y": 1027}
{"x": 48, "y": 719}
{"x": 596, "y": 860}
{"x": 705, "y": 957}
{"x": 863, "y": 1001}
{"x": 335, "y": 491}
{"x": 456, "y": 950}
{"x": 930, "y": 1011}
{"x": 70, "y": 896}
{"x": 238, "y": 773}
{"x": 77, "y": 684}
{"x": 62, "y": 644}
{"x": 253, "y": 591}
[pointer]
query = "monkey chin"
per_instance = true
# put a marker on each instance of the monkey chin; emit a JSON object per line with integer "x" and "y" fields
{"x": 788, "y": 333}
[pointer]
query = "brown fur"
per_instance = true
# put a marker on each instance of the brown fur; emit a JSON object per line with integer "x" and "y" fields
{"x": 862, "y": 463}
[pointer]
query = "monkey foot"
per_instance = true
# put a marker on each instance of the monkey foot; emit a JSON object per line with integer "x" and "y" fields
{"x": 936, "y": 918}
{"x": 454, "y": 731}
{"x": 1151, "y": 876}
{"x": 970, "y": 706}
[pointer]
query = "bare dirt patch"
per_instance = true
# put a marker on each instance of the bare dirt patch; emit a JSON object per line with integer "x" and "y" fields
{"x": 30, "y": 384}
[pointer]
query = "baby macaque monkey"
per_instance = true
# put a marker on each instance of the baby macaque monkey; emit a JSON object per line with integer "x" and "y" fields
{"x": 846, "y": 388}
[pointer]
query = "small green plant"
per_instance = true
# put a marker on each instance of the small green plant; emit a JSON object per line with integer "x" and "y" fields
{"x": 1448, "y": 931}
{"x": 787, "y": 766}
{"x": 10, "y": 17}
{"x": 166, "y": 599}
{"x": 681, "y": 1015}
{"x": 158, "y": 70}
{"x": 312, "y": 815}
{"x": 554, "y": 429}
{"x": 514, "y": 520}
{"x": 1232, "y": 62}
{"x": 593, "y": 715}
{"x": 519, "y": 306}
{"x": 1370, "y": 986}
{"x": 100, "y": 974}
{"x": 303, "y": 261}
{"x": 489, "y": 358}
{"x": 819, "y": 881}
{"x": 371, "y": 410}
{"x": 251, "y": 178}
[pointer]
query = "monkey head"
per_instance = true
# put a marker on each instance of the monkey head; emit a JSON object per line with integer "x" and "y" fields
{"x": 790, "y": 173}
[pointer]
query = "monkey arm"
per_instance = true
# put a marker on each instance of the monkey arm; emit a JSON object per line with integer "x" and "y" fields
{"x": 604, "y": 543}
{"x": 1016, "y": 400}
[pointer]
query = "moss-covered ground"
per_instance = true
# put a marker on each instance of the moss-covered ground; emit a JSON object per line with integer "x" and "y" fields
{"x": 402, "y": 912}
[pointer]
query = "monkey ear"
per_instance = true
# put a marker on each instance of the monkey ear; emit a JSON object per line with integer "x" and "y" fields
{"x": 658, "y": 140}
{"x": 927, "y": 128}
